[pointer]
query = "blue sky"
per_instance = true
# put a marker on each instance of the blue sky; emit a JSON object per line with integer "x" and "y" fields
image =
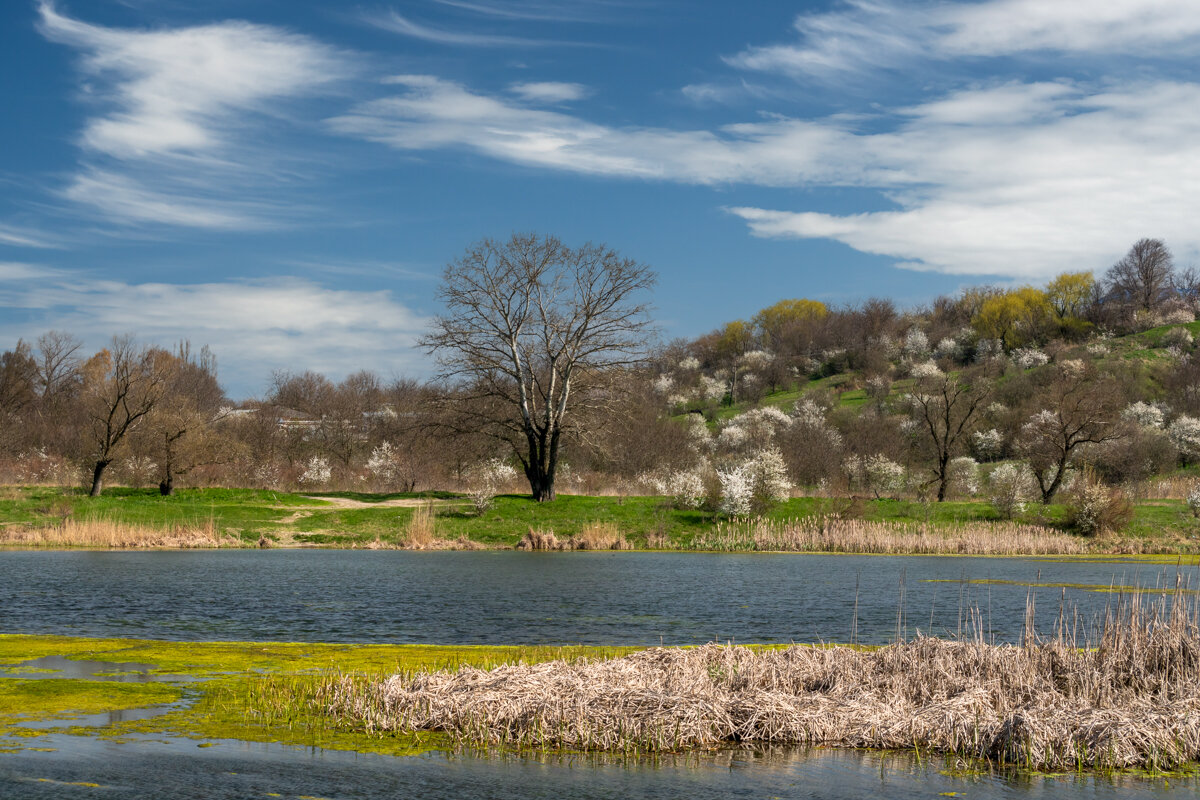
{"x": 284, "y": 180}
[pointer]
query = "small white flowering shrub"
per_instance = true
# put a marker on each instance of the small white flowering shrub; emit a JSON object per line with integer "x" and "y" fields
{"x": 1184, "y": 433}
{"x": 1193, "y": 500}
{"x": 987, "y": 444}
{"x": 964, "y": 476}
{"x": 754, "y": 485}
{"x": 916, "y": 343}
{"x": 1010, "y": 487}
{"x": 1178, "y": 338}
{"x": 877, "y": 474}
{"x": 1029, "y": 357}
{"x": 317, "y": 472}
{"x": 486, "y": 479}
{"x": 926, "y": 369}
{"x": 1144, "y": 414}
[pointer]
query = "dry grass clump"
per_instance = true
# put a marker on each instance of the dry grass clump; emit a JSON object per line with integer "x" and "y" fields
{"x": 833, "y": 535}
{"x": 420, "y": 532}
{"x": 1133, "y": 701}
{"x": 113, "y": 534}
{"x": 594, "y": 536}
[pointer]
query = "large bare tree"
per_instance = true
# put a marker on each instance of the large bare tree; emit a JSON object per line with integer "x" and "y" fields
{"x": 530, "y": 325}
{"x": 121, "y": 385}
{"x": 1144, "y": 276}
{"x": 945, "y": 410}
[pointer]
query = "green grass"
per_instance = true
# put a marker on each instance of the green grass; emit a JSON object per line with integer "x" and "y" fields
{"x": 1164, "y": 526}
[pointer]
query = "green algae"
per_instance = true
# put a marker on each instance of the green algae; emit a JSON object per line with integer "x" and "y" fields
{"x": 38, "y": 700}
{"x": 249, "y": 691}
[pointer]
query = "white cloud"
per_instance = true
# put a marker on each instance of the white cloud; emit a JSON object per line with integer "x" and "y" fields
{"x": 549, "y": 91}
{"x": 253, "y": 327}
{"x": 1013, "y": 179}
{"x": 176, "y": 110}
{"x": 1013, "y": 26}
{"x": 864, "y": 36}
{"x": 394, "y": 22}
{"x": 16, "y": 236}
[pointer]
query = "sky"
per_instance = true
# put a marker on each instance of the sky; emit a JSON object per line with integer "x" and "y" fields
{"x": 284, "y": 180}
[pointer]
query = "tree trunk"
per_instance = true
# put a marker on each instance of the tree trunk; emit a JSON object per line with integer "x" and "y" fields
{"x": 166, "y": 487}
{"x": 98, "y": 478}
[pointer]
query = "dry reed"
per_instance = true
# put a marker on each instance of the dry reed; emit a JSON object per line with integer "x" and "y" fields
{"x": 594, "y": 536}
{"x": 113, "y": 534}
{"x": 833, "y": 535}
{"x": 1132, "y": 701}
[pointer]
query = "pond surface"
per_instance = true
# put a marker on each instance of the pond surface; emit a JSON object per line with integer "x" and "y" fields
{"x": 546, "y": 598}
{"x": 523, "y": 598}
{"x": 99, "y": 769}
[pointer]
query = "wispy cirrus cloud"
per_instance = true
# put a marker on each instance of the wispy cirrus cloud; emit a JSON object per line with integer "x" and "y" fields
{"x": 397, "y": 23}
{"x": 19, "y": 236}
{"x": 253, "y": 326}
{"x": 1011, "y": 179}
{"x": 549, "y": 91}
{"x": 175, "y": 110}
{"x": 861, "y": 37}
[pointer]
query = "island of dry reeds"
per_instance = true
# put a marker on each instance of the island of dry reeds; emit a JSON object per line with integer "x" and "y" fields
{"x": 1130, "y": 701}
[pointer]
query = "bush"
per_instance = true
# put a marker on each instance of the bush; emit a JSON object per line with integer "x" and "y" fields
{"x": 1010, "y": 487}
{"x": 1193, "y": 500}
{"x": 1093, "y": 507}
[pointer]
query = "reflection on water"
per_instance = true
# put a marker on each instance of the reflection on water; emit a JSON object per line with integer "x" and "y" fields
{"x": 542, "y": 598}
{"x": 235, "y": 770}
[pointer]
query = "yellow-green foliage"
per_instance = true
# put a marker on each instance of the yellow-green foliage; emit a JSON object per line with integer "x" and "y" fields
{"x": 1014, "y": 317}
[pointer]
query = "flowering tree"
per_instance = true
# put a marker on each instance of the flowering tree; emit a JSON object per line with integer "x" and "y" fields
{"x": 530, "y": 325}
{"x": 1083, "y": 407}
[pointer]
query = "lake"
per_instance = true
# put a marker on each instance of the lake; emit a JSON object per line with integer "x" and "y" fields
{"x": 536, "y": 598}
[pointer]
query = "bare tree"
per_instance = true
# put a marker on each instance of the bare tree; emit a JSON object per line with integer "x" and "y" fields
{"x": 121, "y": 385}
{"x": 179, "y": 431}
{"x": 1144, "y": 276}
{"x": 945, "y": 409}
{"x": 1081, "y": 406}
{"x": 529, "y": 324}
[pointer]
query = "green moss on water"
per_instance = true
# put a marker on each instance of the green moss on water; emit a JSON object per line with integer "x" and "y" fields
{"x": 33, "y": 700}
{"x": 245, "y": 685}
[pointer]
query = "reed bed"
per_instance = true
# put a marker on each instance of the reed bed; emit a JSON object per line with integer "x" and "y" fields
{"x": 110, "y": 533}
{"x": 594, "y": 536}
{"x": 834, "y": 535}
{"x": 1132, "y": 701}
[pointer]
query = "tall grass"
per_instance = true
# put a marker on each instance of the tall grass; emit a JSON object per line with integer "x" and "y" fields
{"x": 833, "y": 535}
{"x": 1132, "y": 700}
{"x": 109, "y": 533}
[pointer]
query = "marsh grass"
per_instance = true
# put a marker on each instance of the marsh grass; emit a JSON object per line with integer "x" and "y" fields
{"x": 421, "y": 530}
{"x": 110, "y": 533}
{"x": 1130, "y": 700}
{"x": 834, "y": 535}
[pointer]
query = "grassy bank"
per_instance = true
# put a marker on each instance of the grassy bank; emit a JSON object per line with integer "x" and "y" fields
{"x": 54, "y": 517}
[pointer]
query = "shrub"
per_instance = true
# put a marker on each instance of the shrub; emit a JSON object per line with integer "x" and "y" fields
{"x": 1184, "y": 433}
{"x": 754, "y": 485}
{"x": 1010, "y": 487}
{"x": 1093, "y": 507}
{"x": 1193, "y": 500}
{"x": 1180, "y": 338}
{"x": 1144, "y": 414}
{"x": 964, "y": 476}
{"x": 877, "y": 474}
{"x": 317, "y": 472}
{"x": 987, "y": 445}
{"x": 485, "y": 480}
{"x": 1029, "y": 357}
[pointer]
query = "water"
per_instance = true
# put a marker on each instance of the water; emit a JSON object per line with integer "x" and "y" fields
{"x": 522, "y": 598}
{"x": 237, "y": 770}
